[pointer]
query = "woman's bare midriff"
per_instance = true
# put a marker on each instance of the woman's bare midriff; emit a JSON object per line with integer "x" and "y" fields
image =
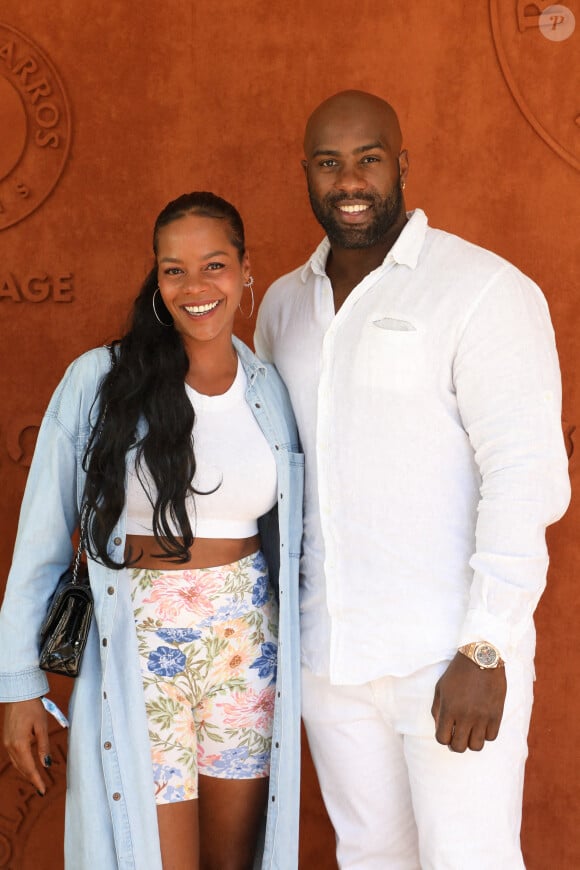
{"x": 205, "y": 552}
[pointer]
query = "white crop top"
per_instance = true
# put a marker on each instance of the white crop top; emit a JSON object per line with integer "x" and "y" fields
{"x": 230, "y": 450}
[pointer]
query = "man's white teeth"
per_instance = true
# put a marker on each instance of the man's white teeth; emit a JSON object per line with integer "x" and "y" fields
{"x": 201, "y": 309}
{"x": 353, "y": 209}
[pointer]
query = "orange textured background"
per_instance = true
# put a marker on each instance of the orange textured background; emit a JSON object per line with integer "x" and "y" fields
{"x": 185, "y": 94}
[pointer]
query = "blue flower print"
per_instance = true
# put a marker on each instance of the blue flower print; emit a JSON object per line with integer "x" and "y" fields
{"x": 232, "y": 610}
{"x": 173, "y": 794}
{"x": 239, "y": 764}
{"x": 260, "y": 592}
{"x": 164, "y": 777}
{"x": 178, "y": 635}
{"x": 267, "y": 663}
{"x": 259, "y": 562}
{"x": 162, "y": 773}
{"x": 166, "y": 662}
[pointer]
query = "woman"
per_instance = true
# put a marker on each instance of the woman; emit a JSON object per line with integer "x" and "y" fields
{"x": 178, "y": 701}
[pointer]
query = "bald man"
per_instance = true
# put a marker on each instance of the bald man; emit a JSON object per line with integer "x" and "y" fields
{"x": 425, "y": 381}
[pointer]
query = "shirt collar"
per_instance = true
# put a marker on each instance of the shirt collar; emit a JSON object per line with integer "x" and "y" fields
{"x": 250, "y": 362}
{"x": 405, "y": 251}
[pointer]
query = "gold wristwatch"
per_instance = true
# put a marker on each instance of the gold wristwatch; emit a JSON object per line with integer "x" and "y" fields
{"x": 484, "y": 654}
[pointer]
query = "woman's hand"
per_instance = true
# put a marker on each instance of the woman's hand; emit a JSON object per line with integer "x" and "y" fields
{"x": 25, "y": 737}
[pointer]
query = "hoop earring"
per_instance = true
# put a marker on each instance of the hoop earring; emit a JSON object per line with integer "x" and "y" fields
{"x": 249, "y": 283}
{"x": 162, "y": 322}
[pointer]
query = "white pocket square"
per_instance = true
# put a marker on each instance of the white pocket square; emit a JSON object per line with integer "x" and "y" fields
{"x": 395, "y": 324}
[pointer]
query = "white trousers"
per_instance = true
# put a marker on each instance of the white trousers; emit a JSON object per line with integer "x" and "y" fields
{"x": 397, "y": 799}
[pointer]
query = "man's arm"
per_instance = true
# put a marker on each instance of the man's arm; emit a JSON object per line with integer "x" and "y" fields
{"x": 507, "y": 381}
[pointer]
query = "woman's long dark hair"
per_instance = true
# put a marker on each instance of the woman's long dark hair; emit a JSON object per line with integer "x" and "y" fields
{"x": 147, "y": 382}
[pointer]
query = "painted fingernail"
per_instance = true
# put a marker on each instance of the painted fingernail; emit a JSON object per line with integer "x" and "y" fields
{"x": 39, "y": 793}
{"x": 47, "y": 760}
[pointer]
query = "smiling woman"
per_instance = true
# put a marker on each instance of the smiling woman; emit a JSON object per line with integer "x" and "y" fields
{"x": 184, "y": 453}
{"x": 201, "y": 276}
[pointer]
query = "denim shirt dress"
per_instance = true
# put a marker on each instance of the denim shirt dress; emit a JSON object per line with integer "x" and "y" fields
{"x": 111, "y": 819}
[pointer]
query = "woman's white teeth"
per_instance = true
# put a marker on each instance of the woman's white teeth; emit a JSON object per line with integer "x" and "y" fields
{"x": 201, "y": 309}
{"x": 353, "y": 209}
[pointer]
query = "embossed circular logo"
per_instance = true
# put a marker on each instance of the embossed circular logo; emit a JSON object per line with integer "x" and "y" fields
{"x": 35, "y": 123}
{"x": 538, "y": 48}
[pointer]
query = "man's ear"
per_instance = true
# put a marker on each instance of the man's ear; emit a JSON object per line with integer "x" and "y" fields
{"x": 403, "y": 165}
{"x": 304, "y": 165}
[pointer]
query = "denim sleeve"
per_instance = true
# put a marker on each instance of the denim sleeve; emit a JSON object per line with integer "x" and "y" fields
{"x": 43, "y": 548}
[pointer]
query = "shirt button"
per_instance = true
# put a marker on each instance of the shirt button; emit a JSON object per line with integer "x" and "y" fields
{"x": 281, "y": 495}
{"x": 257, "y": 405}
{"x": 273, "y": 798}
{"x": 105, "y": 641}
{"x": 111, "y": 590}
{"x": 277, "y": 745}
{"x": 117, "y": 541}
{"x": 277, "y": 446}
{"x": 107, "y": 745}
{"x": 117, "y": 796}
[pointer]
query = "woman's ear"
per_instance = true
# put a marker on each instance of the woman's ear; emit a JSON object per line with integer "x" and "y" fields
{"x": 246, "y": 267}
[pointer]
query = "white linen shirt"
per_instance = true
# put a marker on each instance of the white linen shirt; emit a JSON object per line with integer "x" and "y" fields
{"x": 428, "y": 408}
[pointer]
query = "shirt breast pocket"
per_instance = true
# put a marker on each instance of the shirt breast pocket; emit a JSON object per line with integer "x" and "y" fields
{"x": 391, "y": 355}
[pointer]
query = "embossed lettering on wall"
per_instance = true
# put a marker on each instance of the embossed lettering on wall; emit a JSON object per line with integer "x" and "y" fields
{"x": 39, "y": 287}
{"x": 541, "y": 71}
{"x": 35, "y": 124}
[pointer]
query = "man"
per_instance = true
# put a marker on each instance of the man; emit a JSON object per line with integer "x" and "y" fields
{"x": 425, "y": 381}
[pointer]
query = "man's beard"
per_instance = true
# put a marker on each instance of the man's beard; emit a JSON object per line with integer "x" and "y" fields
{"x": 387, "y": 212}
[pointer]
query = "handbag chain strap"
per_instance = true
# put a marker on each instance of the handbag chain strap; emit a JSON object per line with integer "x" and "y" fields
{"x": 81, "y": 546}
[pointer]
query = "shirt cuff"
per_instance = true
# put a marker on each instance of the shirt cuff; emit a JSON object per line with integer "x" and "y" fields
{"x": 482, "y": 625}
{"x": 23, "y": 686}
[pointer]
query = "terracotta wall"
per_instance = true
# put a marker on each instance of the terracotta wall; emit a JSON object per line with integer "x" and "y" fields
{"x": 109, "y": 110}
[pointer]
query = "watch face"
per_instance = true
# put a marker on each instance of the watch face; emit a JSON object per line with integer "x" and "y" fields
{"x": 486, "y": 655}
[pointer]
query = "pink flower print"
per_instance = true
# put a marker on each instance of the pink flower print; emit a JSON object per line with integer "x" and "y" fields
{"x": 203, "y": 759}
{"x": 250, "y": 709}
{"x": 238, "y": 655}
{"x": 176, "y": 694}
{"x": 184, "y": 729}
{"x": 187, "y": 597}
{"x": 231, "y": 629}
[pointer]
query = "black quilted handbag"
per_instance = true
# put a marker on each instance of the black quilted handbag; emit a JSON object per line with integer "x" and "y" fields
{"x": 64, "y": 632}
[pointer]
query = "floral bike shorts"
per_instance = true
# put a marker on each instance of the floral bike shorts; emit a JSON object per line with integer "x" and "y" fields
{"x": 208, "y": 648}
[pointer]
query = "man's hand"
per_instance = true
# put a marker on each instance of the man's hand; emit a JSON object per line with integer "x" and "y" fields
{"x": 468, "y": 704}
{"x": 26, "y": 730}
